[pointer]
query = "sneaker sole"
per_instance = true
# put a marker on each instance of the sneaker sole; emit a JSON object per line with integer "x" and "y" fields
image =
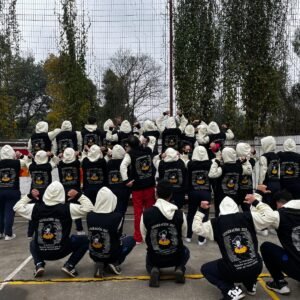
{"x": 113, "y": 269}
{"x": 154, "y": 279}
{"x": 68, "y": 272}
{"x": 39, "y": 273}
{"x": 251, "y": 293}
{"x": 285, "y": 292}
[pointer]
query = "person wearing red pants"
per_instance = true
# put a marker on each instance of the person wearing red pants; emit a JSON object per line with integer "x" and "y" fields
{"x": 141, "y": 177}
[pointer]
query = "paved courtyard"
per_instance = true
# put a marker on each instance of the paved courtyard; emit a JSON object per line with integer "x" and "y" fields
{"x": 17, "y": 282}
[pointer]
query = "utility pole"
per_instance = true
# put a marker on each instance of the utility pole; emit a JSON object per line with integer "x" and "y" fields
{"x": 171, "y": 95}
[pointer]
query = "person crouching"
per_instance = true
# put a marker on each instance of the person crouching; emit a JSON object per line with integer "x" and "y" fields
{"x": 52, "y": 219}
{"x": 162, "y": 227}
{"x": 104, "y": 230}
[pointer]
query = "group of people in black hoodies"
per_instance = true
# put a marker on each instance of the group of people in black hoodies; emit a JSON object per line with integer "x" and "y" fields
{"x": 193, "y": 166}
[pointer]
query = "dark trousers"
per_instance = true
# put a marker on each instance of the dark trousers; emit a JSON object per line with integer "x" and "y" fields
{"x": 273, "y": 186}
{"x": 294, "y": 189}
{"x": 30, "y": 228}
{"x": 91, "y": 194}
{"x": 278, "y": 261}
{"x": 241, "y": 198}
{"x": 216, "y": 276}
{"x": 195, "y": 198}
{"x": 180, "y": 263}
{"x": 78, "y": 246}
{"x": 78, "y": 222}
{"x": 123, "y": 196}
{"x": 127, "y": 245}
{"x": 8, "y": 199}
{"x": 178, "y": 199}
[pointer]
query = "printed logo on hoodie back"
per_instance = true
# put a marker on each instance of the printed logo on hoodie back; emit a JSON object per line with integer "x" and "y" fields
{"x": 7, "y": 177}
{"x": 164, "y": 238}
{"x": 91, "y": 139}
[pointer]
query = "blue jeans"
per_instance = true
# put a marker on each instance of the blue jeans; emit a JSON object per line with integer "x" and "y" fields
{"x": 78, "y": 246}
{"x": 278, "y": 261}
{"x": 128, "y": 244}
{"x": 178, "y": 263}
{"x": 8, "y": 199}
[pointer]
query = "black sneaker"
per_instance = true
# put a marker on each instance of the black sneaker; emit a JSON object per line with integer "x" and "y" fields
{"x": 154, "y": 277}
{"x": 99, "y": 270}
{"x": 234, "y": 294}
{"x": 69, "y": 270}
{"x": 251, "y": 290}
{"x": 179, "y": 275}
{"x": 39, "y": 270}
{"x": 114, "y": 268}
{"x": 280, "y": 287}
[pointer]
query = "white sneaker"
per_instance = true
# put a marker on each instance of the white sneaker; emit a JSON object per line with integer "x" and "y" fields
{"x": 1, "y": 236}
{"x": 235, "y": 294}
{"x": 80, "y": 232}
{"x": 202, "y": 243}
{"x": 9, "y": 238}
{"x": 188, "y": 240}
{"x": 273, "y": 231}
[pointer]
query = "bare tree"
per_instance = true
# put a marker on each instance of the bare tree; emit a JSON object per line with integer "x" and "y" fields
{"x": 141, "y": 76}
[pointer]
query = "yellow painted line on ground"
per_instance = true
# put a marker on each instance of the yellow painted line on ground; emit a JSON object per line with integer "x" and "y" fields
{"x": 111, "y": 278}
{"x": 272, "y": 294}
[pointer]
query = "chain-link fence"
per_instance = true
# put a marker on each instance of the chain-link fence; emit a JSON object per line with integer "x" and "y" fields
{"x": 141, "y": 26}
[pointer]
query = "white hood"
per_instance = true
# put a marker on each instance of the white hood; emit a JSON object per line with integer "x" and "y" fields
{"x": 66, "y": 126}
{"x": 41, "y": 157}
{"x": 106, "y": 201}
{"x": 90, "y": 127}
{"x": 243, "y": 150}
{"x": 125, "y": 127}
{"x": 171, "y": 155}
{"x": 228, "y": 206}
{"x": 189, "y": 131}
{"x": 54, "y": 194}
{"x": 200, "y": 154}
{"x": 108, "y": 123}
{"x": 149, "y": 126}
{"x": 268, "y": 144}
{"x": 293, "y": 204}
{"x": 69, "y": 156}
{"x": 118, "y": 152}
{"x": 229, "y": 155}
{"x": 213, "y": 128}
{"x": 41, "y": 127}
{"x": 202, "y": 129}
{"x": 289, "y": 145}
{"x": 94, "y": 153}
{"x": 171, "y": 123}
{"x": 166, "y": 208}
{"x": 7, "y": 152}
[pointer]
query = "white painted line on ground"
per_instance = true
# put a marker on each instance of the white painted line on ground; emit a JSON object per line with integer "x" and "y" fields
{"x": 15, "y": 272}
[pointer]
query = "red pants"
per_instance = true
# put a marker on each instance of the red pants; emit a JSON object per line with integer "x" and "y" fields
{"x": 141, "y": 200}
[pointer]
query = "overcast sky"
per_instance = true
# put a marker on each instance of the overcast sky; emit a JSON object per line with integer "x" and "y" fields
{"x": 138, "y": 25}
